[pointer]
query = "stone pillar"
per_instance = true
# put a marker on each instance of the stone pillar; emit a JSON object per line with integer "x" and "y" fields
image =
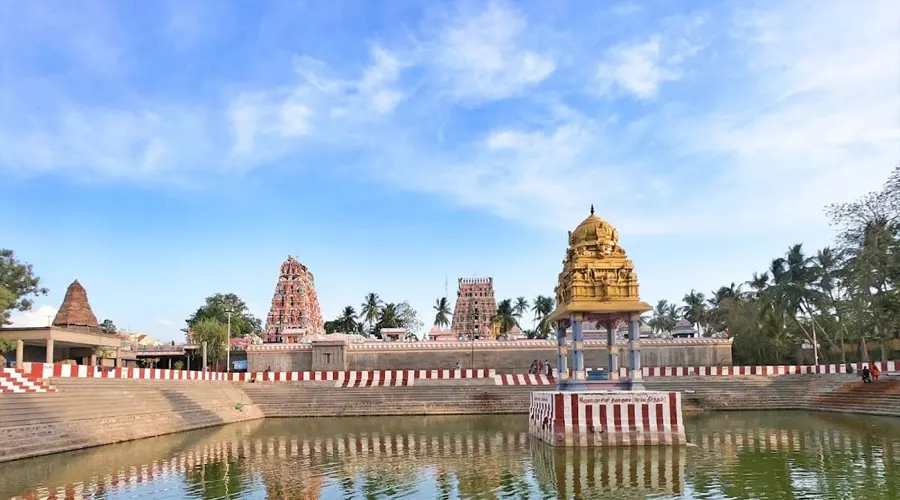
{"x": 118, "y": 362}
{"x": 49, "y": 350}
{"x": 612, "y": 349}
{"x": 93, "y": 360}
{"x": 562, "y": 361}
{"x": 20, "y": 353}
{"x": 578, "y": 346}
{"x": 634, "y": 352}
{"x": 204, "y": 368}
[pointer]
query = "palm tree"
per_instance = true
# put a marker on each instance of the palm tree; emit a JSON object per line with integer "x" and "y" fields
{"x": 694, "y": 310}
{"x": 389, "y": 317}
{"x": 542, "y": 308}
{"x": 505, "y": 316}
{"x": 370, "y": 310}
{"x": 658, "y": 322}
{"x": 442, "y": 306}
{"x": 347, "y": 320}
{"x": 521, "y": 307}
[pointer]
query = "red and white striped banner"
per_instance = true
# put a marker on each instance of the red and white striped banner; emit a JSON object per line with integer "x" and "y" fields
{"x": 16, "y": 381}
{"x": 46, "y": 370}
{"x": 728, "y": 371}
{"x": 522, "y": 379}
{"x": 607, "y": 418}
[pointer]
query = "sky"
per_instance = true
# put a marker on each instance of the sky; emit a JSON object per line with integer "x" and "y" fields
{"x": 161, "y": 152}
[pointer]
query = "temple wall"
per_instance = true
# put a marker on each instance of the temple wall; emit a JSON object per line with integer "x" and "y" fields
{"x": 504, "y": 358}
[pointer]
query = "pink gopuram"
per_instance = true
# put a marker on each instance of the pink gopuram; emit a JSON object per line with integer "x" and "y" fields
{"x": 295, "y": 312}
{"x": 475, "y": 308}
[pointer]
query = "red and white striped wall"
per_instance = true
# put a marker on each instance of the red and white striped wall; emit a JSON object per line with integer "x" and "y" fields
{"x": 522, "y": 379}
{"x": 607, "y": 418}
{"x": 760, "y": 370}
{"x": 383, "y": 377}
{"x": 15, "y": 381}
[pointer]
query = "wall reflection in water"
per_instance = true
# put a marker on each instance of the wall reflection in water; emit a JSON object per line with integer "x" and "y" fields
{"x": 739, "y": 455}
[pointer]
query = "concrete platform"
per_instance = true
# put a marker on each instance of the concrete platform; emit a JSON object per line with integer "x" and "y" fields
{"x": 606, "y": 418}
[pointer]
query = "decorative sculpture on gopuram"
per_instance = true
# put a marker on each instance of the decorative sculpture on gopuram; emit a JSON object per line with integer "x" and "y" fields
{"x": 295, "y": 312}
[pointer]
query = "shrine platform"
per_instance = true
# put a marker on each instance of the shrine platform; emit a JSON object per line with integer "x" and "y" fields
{"x": 606, "y": 418}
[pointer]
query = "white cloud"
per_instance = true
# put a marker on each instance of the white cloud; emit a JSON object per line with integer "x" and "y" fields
{"x": 637, "y": 69}
{"x": 42, "y": 316}
{"x": 481, "y": 56}
{"x": 164, "y": 322}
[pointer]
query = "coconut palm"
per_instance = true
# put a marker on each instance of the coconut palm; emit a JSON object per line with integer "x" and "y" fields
{"x": 694, "y": 310}
{"x": 521, "y": 307}
{"x": 542, "y": 308}
{"x": 442, "y": 308}
{"x": 347, "y": 320}
{"x": 370, "y": 309}
{"x": 389, "y": 317}
{"x": 505, "y": 316}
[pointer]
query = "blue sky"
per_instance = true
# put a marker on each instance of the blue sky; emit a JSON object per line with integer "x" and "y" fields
{"x": 161, "y": 152}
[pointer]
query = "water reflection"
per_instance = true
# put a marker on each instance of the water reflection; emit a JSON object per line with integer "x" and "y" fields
{"x": 735, "y": 455}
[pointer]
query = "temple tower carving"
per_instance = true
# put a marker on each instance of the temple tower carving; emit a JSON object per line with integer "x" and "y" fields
{"x": 475, "y": 308}
{"x": 295, "y": 312}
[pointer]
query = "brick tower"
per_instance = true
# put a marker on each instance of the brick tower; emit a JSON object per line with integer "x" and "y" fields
{"x": 295, "y": 312}
{"x": 475, "y": 294}
{"x": 75, "y": 312}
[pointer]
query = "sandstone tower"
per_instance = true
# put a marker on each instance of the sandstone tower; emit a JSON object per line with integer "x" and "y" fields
{"x": 295, "y": 312}
{"x": 475, "y": 294}
{"x": 75, "y": 312}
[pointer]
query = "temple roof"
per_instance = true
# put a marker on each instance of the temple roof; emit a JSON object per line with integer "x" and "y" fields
{"x": 593, "y": 228}
{"x": 75, "y": 311}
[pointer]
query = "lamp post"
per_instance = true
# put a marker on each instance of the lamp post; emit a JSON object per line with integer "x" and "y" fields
{"x": 474, "y": 331}
{"x": 229, "y": 312}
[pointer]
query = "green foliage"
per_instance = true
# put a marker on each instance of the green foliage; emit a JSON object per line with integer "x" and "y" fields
{"x": 7, "y": 345}
{"x": 505, "y": 317}
{"x": 214, "y": 334}
{"x": 107, "y": 326}
{"x": 216, "y": 308}
{"x": 371, "y": 309}
{"x": 542, "y": 308}
{"x": 178, "y": 365}
{"x": 442, "y": 312}
{"x": 17, "y": 285}
{"x": 409, "y": 319}
{"x": 837, "y": 296}
{"x": 346, "y": 322}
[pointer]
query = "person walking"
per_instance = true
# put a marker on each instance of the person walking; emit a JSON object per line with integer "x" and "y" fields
{"x": 873, "y": 369}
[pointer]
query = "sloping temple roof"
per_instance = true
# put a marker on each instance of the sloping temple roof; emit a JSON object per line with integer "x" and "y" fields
{"x": 75, "y": 312}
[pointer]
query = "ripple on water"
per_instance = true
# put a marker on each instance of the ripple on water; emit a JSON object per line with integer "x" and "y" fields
{"x": 736, "y": 455}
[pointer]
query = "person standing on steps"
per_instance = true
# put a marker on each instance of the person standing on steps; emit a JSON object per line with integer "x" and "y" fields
{"x": 866, "y": 375}
{"x": 548, "y": 370}
{"x": 873, "y": 369}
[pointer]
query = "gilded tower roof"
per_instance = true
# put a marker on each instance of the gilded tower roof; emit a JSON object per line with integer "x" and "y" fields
{"x": 597, "y": 275}
{"x": 75, "y": 312}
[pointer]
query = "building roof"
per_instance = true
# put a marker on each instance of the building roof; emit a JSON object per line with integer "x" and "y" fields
{"x": 75, "y": 312}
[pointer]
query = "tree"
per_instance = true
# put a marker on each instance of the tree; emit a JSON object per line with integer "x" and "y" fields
{"x": 371, "y": 309}
{"x": 520, "y": 307}
{"x": 214, "y": 334}
{"x": 694, "y": 310}
{"x": 216, "y": 308}
{"x": 409, "y": 319}
{"x": 505, "y": 316}
{"x": 542, "y": 308}
{"x": 17, "y": 285}
{"x": 442, "y": 312}
{"x": 347, "y": 321}
{"x": 108, "y": 327}
{"x": 388, "y": 317}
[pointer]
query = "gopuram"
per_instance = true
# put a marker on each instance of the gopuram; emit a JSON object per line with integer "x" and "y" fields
{"x": 475, "y": 308}
{"x": 295, "y": 312}
{"x": 598, "y": 284}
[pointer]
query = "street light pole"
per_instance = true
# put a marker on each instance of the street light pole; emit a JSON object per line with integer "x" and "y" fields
{"x": 228, "y": 343}
{"x": 474, "y": 330}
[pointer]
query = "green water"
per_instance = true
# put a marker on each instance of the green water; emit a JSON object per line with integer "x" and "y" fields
{"x": 733, "y": 455}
